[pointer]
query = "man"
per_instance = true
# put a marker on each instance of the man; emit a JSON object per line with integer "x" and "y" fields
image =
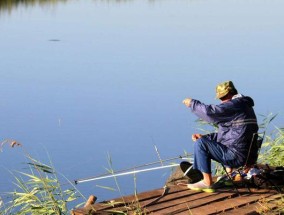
{"x": 237, "y": 124}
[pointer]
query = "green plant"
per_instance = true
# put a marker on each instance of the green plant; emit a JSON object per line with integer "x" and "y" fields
{"x": 273, "y": 148}
{"x": 38, "y": 191}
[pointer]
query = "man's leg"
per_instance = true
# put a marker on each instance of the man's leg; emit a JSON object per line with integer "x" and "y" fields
{"x": 202, "y": 160}
{"x": 207, "y": 178}
{"x": 205, "y": 150}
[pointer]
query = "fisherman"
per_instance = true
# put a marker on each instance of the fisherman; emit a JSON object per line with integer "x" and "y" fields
{"x": 236, "y": 123}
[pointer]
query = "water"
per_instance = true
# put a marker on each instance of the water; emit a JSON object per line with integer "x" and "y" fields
{"x": 81, "y": 79}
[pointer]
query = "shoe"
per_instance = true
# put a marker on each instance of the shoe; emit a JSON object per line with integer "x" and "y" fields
{"x": 201, "y": 186}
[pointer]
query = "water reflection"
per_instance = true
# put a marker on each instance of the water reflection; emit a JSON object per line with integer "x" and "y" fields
{"x": 9, "y": 5}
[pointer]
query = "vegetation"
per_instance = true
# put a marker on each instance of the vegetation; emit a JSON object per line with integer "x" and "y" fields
{"x": 273, "y": 148}
{"x": 273, "y": 154}
{"x": 272, "y": 207}
{"x": 38, "y": 191}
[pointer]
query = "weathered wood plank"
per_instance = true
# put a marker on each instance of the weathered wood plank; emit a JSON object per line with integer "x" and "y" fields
{"x": 252, "y": 208}
{"x": 177, "y": 198}
{"x": 185, "y": 204}
{"x": 170, "y": 199}
{"x": 229, "y": 204}
{"x": 129, "y": 200}
{"x": 248, "y": 209}
{"x": 180, "y": 200}
{"x": 175, "y": 193}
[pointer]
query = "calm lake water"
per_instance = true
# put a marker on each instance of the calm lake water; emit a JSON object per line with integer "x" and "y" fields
{"x": 83, "y": 79}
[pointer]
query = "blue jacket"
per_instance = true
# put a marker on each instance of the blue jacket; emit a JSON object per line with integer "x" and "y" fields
{"x": 236, "y": 122}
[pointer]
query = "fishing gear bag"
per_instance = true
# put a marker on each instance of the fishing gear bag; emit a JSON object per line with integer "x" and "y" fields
{"x": 269, "y": 178}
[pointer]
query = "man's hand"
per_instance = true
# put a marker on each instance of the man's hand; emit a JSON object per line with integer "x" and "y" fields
{"x": 196, "y": 137}
{"x": 187, "y": 102}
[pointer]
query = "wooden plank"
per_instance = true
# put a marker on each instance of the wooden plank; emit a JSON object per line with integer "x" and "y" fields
{"x": 170, "y": 199}
{"x": 252, "y": 208}
{"x": 128, "y": 200}
{"x": 173, "y": 199}
{"x": 229, "y": 204}
{"x": 184, "y": 204}
{"x": 118, "y": 202}
{"x": 248, "y": 209}
{"x": 180, "y": 200}
{"x": 190, "y": 196}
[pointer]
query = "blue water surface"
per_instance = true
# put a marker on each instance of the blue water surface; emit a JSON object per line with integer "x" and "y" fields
{"x": 82, "y": 79}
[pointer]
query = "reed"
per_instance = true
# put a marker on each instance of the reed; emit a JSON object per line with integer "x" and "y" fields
{"x": 38, "y": 191}
{"x": 273, "y": 148}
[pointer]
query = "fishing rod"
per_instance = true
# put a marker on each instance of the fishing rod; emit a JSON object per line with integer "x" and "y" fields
{"x": 133, "y": 170}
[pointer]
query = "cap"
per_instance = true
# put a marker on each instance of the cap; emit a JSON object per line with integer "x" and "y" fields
{"x": 224, "y": 88}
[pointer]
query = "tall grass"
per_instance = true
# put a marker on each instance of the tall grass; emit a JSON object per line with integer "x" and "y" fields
{"x": 273, "y": 148}
{"x": 38, "y": 191}
{"x": 273, "y": 155}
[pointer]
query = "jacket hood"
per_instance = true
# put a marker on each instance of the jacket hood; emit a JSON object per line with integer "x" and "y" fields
{"x": 243, "y": 99}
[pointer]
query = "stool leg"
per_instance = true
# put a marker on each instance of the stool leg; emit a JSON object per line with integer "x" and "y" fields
{"x": 230, "y": 177}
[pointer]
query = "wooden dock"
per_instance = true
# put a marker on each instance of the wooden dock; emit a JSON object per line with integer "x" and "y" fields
{"x": 180, "y": 200}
